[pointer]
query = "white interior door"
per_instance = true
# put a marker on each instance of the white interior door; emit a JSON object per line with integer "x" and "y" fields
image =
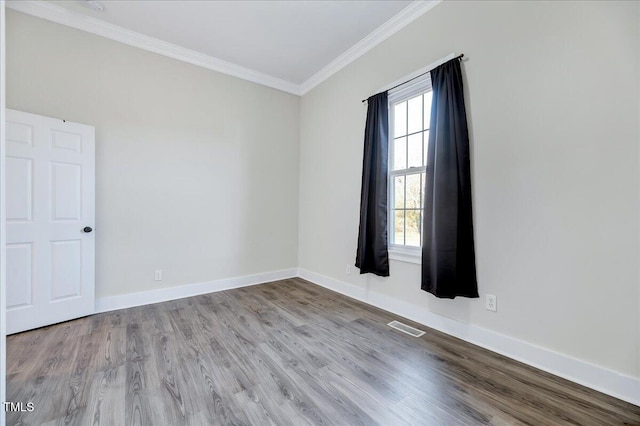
{"x": 50, "y": 210}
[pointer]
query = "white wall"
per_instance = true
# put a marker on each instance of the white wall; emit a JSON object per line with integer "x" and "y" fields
{"x": 554, "y": 116}
{"x": 196, "y": 171}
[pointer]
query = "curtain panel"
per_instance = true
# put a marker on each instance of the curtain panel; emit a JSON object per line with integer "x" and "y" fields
{"x": 448, "y": 252}
{"x": 372, "y": 254}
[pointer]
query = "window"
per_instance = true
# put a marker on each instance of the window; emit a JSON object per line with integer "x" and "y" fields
{"x": 409, "y": 115}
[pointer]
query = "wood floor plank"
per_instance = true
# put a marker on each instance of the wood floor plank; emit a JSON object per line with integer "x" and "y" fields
{"x": 78, "y": 381}
{"x": 415, "y": 412}
{"x": 370, "y": 401}
{"x": 283, "y": 353}
{"x": 329, "y": 399}
{"x": 142, "y": 382}
{"x": 106, "y": 400}
{"x": 253, "y": 408}
{"x": 281, "y": 413}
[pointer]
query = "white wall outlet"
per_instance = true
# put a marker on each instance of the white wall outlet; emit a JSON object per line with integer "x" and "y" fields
{"x": 348, "y": 270}
{"x": 158, "y": 275}
{"x": 491, "y": 303}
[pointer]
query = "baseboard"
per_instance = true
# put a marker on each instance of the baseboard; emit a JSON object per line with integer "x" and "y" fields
{"x": 607, "y": 381}
{"x": 130, "y": 300}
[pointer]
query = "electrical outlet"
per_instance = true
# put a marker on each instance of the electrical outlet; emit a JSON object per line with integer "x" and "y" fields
{"x": 491, "y": 303}
{"x": 348, "y": 270}
{"x": 158, "y": 275}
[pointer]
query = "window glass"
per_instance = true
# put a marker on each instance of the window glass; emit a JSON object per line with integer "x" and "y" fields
{"x": 407, "y": 174}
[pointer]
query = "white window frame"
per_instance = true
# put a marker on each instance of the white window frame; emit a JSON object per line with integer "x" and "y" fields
{"x": 402, "y": 93}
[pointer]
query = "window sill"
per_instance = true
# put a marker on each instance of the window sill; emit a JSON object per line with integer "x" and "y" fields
{"x": 403, "y": 256}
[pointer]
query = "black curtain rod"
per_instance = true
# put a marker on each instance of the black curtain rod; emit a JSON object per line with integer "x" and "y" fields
{"x": 420, "y": 75}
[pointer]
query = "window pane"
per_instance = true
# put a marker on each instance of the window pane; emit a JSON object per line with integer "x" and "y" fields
{"x": 400, "y": 121}
{"x": 413, "y": 228}
{"x": 398, "y": 227}
{"x": 415, "y": 114}
{"x": 400, "y": 153}
{"x": 415, "y": 150}
{"x": 427, "y": 108}
{"x": 398, "y": 192}
{"x": 413, "y": 192}
{"x": 426, "y": 145}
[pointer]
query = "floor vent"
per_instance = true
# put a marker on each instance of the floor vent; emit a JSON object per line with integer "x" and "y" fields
{"x": 406, "y": 328}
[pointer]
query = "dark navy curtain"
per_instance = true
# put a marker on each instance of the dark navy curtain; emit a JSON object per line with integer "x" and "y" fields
{"x": 372, "y": 255}
{"x": 448, "y": 253}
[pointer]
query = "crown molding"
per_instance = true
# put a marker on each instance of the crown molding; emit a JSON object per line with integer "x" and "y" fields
{"x": 383, "y": 32}
{"x": 61, "y": 15}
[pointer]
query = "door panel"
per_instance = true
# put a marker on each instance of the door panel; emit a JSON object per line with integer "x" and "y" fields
{"x": 65, "y": 191}
{"x": 69, "y": 141}
{"x": 20, "y": 192}
{"x": 19, "y": 273}
{"x": 50, "y": 199}
{"x": 65, "y": 281}
{"x": 19, "y": 133}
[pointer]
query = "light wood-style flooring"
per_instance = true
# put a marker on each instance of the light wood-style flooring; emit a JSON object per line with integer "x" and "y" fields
{"x": 284, "y": 353}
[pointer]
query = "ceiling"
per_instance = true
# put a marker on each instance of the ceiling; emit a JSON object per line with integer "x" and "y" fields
{"x": 292, "y": 44}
